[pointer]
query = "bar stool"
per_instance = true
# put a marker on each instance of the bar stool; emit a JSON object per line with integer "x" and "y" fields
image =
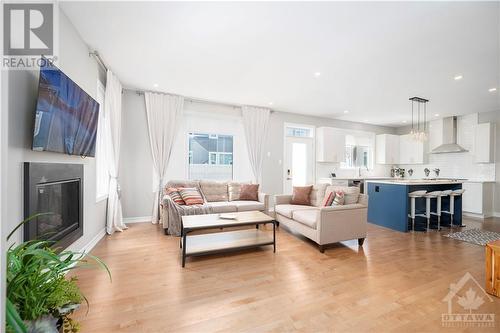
{"x": 452, "y": 195}
{"x": 413, "y": 197}
{"x": 428, "y": 196}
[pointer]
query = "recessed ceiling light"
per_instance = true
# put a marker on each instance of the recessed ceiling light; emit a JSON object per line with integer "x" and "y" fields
{"x": 458, "y": 77}
{"x": 346, "y": 111}
{"x": 155, "y": 85}
{"x": 365, "y": 120}
{"x": 317, "y": 74}
{"x": 492, "y": 89}
{"x": 404, "y": 121}
{"x": 436, "y": 115}
{"x": 270, "y": 103}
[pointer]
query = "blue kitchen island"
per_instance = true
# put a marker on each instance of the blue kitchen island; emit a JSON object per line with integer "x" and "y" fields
{"x": 389, "y": 204}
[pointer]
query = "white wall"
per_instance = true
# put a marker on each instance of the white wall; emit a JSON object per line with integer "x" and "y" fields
{"x": 136, "y": 164}
{"x": 21, "y": 89}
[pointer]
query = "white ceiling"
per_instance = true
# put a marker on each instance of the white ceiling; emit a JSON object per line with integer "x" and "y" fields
{"x": 372, "y": 56}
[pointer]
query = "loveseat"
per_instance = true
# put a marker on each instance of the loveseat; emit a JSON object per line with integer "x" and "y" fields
{"x": 326, "y": 225}
{"x": 218, "y": 197}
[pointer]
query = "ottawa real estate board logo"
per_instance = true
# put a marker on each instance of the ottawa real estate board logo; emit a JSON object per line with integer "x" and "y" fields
{"x": 465, "y": 299}
{"x": 28, "y": 34}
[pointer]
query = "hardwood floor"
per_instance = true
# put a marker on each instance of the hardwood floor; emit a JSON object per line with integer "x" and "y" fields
{"x": 395, "y": 282}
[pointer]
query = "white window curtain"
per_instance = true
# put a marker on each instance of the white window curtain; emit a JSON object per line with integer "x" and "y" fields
{"x": 113, "y": 107}
{"x": 256, "y": 122}
{"x": 164, "y": 114}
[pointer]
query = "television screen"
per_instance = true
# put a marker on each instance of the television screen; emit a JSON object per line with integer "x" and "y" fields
{"x": 66, "y": 116}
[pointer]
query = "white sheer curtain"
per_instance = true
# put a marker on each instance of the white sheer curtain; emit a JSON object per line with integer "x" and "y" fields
{"x": 164, "y": 113}
{"x": 256, "y": 122}
{"x": 113, "y": 107}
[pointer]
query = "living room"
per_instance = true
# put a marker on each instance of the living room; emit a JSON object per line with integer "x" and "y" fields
{"x": 226, "y": 168}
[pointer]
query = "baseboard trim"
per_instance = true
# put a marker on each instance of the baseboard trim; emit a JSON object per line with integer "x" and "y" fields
{"x": 474, "y": 215}
{"x": 93, "y": 242}
{"x": 138, "y": 219}
{"x": 496, "y": 214}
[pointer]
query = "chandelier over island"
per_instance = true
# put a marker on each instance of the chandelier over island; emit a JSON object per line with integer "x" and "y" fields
{"x": 419, "y": 118}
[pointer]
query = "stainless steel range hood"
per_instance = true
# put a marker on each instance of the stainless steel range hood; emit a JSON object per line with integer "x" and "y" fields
{"x": 449, "y": 138}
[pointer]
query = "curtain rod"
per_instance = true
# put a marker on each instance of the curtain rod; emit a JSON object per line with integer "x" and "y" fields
{"x": 99, "y": 60}
{"x": 199, "y": 100}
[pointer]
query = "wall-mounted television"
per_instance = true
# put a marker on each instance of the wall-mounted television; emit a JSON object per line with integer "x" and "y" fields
{"x": 66, "y": 116}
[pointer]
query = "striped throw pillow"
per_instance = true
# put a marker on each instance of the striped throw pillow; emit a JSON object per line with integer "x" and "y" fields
{"x": 174, "y": 194}
{"x": 339, "y": 198}
{"x": 191, "y": 196}
{"x": 328, "y": 199}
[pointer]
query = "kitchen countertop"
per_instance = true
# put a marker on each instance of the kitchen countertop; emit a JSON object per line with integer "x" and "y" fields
{"x": 353, "y": 178}
{"x": 408, "y": 182}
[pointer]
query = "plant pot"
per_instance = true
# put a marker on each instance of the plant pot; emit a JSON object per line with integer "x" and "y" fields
{"x": 45, "y": 324}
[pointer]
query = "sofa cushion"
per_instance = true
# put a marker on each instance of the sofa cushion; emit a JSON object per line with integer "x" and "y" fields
{"x": 307, "y": 217}
{"x": 351, "y": 193}
{"x": 328, "y": 199}
{"x": 234, "y": 190}
{"x": 317, "y": 194}
{"x": 339, "y": 199}
{"x": 214, "y": 191}
{"x": 183, "y": 183}
{"x": 301, "y": 195}
{"x": 191, "y": 196}
{"x": 222, "y": 207}
{"x": 249, "y": 192}
{"x": 287, "y": 209}
{"x": 246, "y": 205}
{"x": 174, "y": 194}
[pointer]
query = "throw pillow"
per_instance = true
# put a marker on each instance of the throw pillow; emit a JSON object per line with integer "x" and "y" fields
{"x": 339, "y": 199}
{"x": 191, "y": 196}
{"x": 174, "y": 194}
{"x": 249, "y": 192}
{"x": 328, "y": 199}
{"x": 301, "y": 195}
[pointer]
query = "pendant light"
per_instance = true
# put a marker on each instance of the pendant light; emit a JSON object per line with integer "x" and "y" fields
{"x": 419, "y": 118}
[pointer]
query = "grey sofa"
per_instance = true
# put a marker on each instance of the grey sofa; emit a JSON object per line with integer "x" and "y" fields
{"x": 219, "y": 197}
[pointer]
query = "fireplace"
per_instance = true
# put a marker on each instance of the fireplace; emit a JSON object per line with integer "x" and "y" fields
{"x": 57, "y": 190}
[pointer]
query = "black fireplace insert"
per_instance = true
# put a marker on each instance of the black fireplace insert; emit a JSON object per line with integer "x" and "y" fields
{"x": 56, "y": 190}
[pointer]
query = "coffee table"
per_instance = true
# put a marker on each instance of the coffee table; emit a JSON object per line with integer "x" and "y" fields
{"x": 219, "y": 242}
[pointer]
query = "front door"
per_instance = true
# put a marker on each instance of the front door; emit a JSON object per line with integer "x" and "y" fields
{"x": 299, "y": 162}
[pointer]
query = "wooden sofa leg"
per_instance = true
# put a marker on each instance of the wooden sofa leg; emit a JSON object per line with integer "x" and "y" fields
{"x": 361, "y": 241}
{"x": 165, "y": 231}
{"x": 322, "y": 248}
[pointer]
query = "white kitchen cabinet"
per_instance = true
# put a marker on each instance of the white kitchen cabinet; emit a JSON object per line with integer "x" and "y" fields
{"x": 478, "y": 199}
{"x": 387, "y": 149}
{"x": 410, "y": 150}
{"x": 330, "y": 145}
{"x": 484, "y": 146}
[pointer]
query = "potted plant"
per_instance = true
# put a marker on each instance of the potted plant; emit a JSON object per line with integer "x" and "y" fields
{"x": 40, "y": 298}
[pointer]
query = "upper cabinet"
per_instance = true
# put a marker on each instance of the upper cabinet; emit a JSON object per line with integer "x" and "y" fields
{"x": 410, "y": 150}
{"x": 330, "y": 145}
{"x": 485, "y": 143}
{"x": 387, "y": 149}
{"x": 399, "y": 149}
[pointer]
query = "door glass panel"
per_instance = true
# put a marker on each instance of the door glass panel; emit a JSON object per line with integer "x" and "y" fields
{"x": 299, "y": 164}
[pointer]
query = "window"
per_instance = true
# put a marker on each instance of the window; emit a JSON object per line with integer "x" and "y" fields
{"x": 302, "y": 132}
{"x": 210, "y": 156}
{"x": 101, "y": 161}
{"x": 358, "y": 151}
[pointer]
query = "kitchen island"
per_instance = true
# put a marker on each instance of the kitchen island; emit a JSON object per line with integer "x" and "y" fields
{"x": 389, "y": 205}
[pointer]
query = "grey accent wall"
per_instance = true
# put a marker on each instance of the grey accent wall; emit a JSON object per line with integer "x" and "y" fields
{"x": 21, "y": 91}
{"x": 136, "y": 164}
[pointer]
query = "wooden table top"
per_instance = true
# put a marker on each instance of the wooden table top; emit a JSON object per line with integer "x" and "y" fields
{"x": 214, "y": 221}
{"x": 494, "y": 245}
